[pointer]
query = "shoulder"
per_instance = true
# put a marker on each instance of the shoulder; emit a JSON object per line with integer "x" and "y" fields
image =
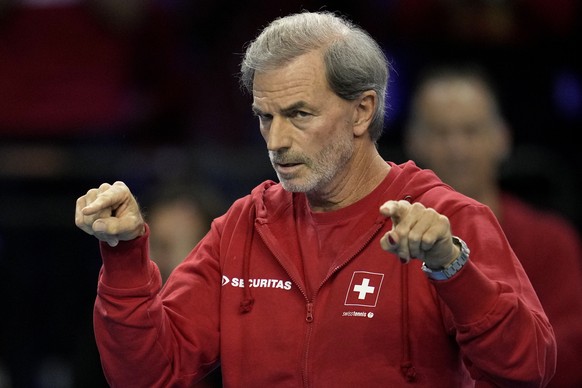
{"x": 516, "y": 210}
{"x": 424, "y": 186}
{"x": 520, "y": 218}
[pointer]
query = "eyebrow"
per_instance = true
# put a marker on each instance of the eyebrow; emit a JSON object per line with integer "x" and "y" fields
{"x": 293, "y": 107}
{"x": 285, "y": 111}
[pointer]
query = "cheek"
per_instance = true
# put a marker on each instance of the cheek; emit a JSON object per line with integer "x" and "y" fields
{"x": 335, "y": 127}
{"x": 322, "y": 131}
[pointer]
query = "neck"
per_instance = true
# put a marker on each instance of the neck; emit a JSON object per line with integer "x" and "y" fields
{"x": 361, "y": 176}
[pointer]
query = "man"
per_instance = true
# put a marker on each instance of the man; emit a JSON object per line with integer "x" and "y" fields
{"x": 457, "y": 130}
{"x": 293, "y": 285}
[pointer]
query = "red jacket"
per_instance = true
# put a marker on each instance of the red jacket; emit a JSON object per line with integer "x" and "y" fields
{"x": 240, "y": 300}
{"x": 549, "y": 249}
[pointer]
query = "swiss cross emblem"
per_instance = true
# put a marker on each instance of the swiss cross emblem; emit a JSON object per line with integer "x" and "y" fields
{"x": 364, "y": 289}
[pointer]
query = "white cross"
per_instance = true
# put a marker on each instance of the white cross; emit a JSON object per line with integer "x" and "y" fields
{"x": 364, "y": 288}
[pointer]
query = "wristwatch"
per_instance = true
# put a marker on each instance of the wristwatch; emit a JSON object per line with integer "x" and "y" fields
{"x": 454, "y": 267}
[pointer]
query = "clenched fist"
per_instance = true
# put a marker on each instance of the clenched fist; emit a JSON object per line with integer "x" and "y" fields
{"x": 110, "y": 213}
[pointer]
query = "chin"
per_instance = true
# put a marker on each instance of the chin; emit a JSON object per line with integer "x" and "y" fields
{"x": 295, "y": 186}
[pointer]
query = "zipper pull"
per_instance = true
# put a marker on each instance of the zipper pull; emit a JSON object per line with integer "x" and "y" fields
{"x": 309, "y": 317}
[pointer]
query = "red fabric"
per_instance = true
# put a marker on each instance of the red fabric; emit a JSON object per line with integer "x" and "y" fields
{"x": 60, "y": 71}
{"x": 549, "y": 249}
{"x": 325, "y": 235}
{"x": 486, "y": 320}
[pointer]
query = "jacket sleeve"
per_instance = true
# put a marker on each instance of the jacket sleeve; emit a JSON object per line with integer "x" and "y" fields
{"x": 492, "y": 309}
{"x": 152, "y": 338}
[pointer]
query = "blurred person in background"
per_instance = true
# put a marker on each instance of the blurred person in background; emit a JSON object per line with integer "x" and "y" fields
{"x": 179, "y": 215}
{"x": 456, "y": 129}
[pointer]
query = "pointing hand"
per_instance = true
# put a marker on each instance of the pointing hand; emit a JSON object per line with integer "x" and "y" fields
{"x": 418, "y": 232}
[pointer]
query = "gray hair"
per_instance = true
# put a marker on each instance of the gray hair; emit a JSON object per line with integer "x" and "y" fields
{"x": 354, "y": 61}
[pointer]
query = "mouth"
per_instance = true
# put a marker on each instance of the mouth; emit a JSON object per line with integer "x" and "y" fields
{"x": 287, "y": 164}
{"x": 287, "y": 168}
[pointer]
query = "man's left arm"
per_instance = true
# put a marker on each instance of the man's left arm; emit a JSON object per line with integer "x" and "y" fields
{"x": 489, "y": 302}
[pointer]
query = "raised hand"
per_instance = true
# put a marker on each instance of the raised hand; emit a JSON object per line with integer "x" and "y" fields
{"x": 110, "y": 213}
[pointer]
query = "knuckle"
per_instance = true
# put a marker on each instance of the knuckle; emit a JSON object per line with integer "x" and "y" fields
{"x": 120, "y": 187}
{"x": 402, "y": 230}
{"x": 414, "y": 236}
{"x": 443, "y": 219}
{"x": 103, "y": 187}
{"x": 428, "y": 241}
{"x": 416, "y": 206}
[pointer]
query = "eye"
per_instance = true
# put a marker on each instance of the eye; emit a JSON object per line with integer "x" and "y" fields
{"x": 263, "y": 116}
{"x": 300, "y": 114}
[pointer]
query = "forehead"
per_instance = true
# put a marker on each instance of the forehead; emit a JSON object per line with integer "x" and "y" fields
{"x": 455, "y": 101}
{"x": 301, "y": 79}
{"x": 455, "y": 93}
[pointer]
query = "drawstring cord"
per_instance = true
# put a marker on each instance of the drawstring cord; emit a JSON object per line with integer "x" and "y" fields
{"x": 246, "y": 304}
{"x": 406, "y": 366}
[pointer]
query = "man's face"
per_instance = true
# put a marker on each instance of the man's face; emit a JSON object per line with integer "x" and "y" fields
{"x": 307, "y": 127}
{"x": 458, "y": 134}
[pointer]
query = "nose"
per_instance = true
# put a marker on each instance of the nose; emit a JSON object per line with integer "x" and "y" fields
{"x": 278, "y": 134}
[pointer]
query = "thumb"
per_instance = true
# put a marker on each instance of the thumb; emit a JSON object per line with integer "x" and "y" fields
{"x": 115, "y": 229}
{"x": 105, "y": 229}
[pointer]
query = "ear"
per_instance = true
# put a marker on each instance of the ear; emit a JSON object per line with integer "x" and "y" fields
{"x": 364, "y": 112}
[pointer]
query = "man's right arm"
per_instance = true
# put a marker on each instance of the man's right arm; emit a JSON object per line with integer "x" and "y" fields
{"x": 136, "y": 334}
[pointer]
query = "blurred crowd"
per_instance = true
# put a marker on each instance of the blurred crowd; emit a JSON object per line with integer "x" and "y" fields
{"x": 146, "y": 91}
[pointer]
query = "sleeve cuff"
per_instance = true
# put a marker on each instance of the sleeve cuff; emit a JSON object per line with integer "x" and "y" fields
{"x": 469, "y": 295}
{"x": 127, "y": 265}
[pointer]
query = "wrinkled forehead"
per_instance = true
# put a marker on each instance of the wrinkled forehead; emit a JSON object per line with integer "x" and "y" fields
{"x": 302, "y": 78}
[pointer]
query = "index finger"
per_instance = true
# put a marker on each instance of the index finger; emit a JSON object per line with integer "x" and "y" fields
{"x": 395, "y": 210}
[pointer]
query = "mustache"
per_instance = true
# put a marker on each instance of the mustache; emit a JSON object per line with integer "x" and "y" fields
{"x": 287, "y": 157}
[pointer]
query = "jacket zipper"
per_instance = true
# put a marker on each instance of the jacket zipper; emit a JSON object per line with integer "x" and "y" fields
{"x": 309, "y": 320}
{"x": 309, "y": 316}
{"x": 340, "y": 266}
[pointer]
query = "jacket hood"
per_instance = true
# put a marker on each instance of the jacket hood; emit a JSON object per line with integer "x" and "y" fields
{"x": 409, "y": 185}
{"x": 405, "y": 184}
